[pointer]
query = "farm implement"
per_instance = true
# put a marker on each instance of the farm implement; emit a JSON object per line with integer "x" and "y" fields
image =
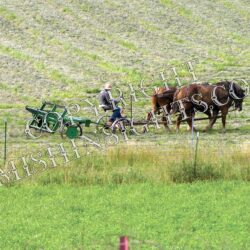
{"x": 52, "y": 117}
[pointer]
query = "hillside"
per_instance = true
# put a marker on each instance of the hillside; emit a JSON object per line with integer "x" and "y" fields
{"x": 52, "y": 49}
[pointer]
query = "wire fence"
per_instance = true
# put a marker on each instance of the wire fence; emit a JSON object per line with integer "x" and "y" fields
{"x": 36, "y": 156}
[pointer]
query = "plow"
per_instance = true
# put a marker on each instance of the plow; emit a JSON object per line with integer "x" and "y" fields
{"x": 52, "y": 117}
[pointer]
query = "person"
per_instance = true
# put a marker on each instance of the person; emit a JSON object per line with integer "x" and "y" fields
{"x": 108, "y": 103}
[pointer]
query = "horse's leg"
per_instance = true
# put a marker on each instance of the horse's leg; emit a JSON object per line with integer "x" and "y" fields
{"x": 190, "y": 124}
{"x": 224, "y": 112}
{"x": 208, "y": 113}
{"x": 178, "y": 122}
{"x": 190, "y": 121}
{"x": 212, "y": 120}
{"x": 223, "y": 118}
{"x": 169, "y": 109}
{"x": 164, "y": 119}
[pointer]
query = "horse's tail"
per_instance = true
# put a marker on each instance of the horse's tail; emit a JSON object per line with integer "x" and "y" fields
{"x": 155, "y": 103}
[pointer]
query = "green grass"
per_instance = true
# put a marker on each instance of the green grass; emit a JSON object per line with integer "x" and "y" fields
{"x": 54, "y": 75}
{"x": 167, "y": 2}
{"x": 9, "y": 15}
{"x": 127, "y": 45}
{"x": 213, "y": 215}
{"x": 185, "y": 12}
{"x": 137, "y": 163}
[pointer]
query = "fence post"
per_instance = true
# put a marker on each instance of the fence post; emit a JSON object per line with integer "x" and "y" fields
{"x": 131, "y": 107}
{"x": 124, "y": 244}
{"x": 195, "y": 154}
{"x": 5, "y": 141}
{"x": 192, "y": 129}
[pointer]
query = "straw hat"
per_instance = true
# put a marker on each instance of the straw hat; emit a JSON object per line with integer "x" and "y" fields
{"x": 108, "y": 86}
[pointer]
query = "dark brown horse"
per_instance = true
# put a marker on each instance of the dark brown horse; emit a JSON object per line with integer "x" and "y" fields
{"x": 161, "y": 99}
{"x": 209, "y": 99}
{"x": 235, "y": 96}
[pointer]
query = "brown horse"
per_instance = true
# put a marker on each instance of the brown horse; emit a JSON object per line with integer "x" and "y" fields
{"x": 182, "y": 103}
{"x": 161, "y": 99}
{"x": 235, "y": 96}
{"x": 206, "y": 98}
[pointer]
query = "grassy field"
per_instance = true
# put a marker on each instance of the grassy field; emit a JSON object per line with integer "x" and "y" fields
{"x": 154, "y": 194}
{"x": 130, "y": 164}
{"x": 202, "y": 215}
{"x": 156, "y": 187}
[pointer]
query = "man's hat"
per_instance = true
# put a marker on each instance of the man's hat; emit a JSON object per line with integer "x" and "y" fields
{"x": 108, "y": 86}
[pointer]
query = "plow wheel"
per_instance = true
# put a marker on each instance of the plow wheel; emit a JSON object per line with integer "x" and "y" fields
{"x": 52, "y": 121}
{"x": 71, "y": 131}
{"x": 123, "y": 125}
{"x": 33, "y": 128}
{"x": 101, "y": 126}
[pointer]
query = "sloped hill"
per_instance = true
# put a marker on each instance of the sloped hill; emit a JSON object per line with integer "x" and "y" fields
{"x": 48, "y": 48}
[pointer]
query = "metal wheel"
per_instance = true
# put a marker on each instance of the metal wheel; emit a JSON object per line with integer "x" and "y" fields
{"x": 52, "y": 121}
{"x": 71, "y": 131}
{"x": 34, "y": 133}
{"x": 101, "y": 126}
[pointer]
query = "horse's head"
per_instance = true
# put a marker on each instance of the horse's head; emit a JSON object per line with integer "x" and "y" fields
{"x": 174, "y": 108}
{"x": 174, "y": 104}
{"x": 237, "y": 93}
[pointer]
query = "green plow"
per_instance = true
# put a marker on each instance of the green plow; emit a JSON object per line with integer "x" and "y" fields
{"x": 51, "y": 117}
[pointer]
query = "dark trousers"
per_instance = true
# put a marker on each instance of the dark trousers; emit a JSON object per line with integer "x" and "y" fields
{"x": 116, "y": 115}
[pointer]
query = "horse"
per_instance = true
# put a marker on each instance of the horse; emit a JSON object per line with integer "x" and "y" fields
{"x": 161, "y": 100}
{"x": 235, "y": 97}
{"x": 209, "y": 99}
{"x": 185, "y": 103}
